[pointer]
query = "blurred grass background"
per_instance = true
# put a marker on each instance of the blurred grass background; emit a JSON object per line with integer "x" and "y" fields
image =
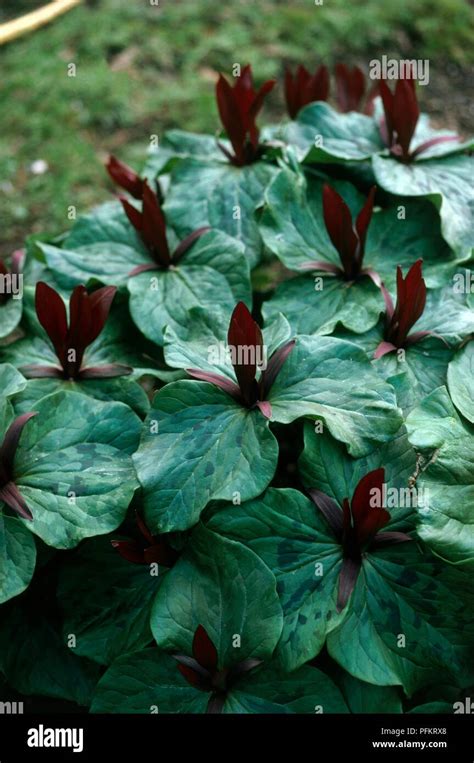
{"x": 143, "y": 68}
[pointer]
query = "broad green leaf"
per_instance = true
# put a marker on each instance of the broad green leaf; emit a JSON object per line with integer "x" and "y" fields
{"x": 447, "y": 443}
{"x": 323, "y": 135}
{"x": 318, "y": 380}
{"x": 211, "y": 193}
{"x": 461, "y": 381}
{"x": 10, "y": 316}
{"x": 425, "y": 365}
{"x": 73, "y": 467}
{"x": 315, "y": 304}
{"x": 121, "y": 389}
{"x": 198, "y": 445}
{"x": 286, "y": 530}
{"x": 225, "y": 587}
{"x": 180, "y": 144}
{"x": 106, "y": 601}
{"x": 17, "y": 557}
{"x": 268, "y": 690}
{"x": 147, "y": 682}
{"x": 102, "y": 245}
{"x": 362, "y": 697}
{"x": 213, "y": 274}
{"x": 11, "y": 380}
{"x": 445, "y": 181}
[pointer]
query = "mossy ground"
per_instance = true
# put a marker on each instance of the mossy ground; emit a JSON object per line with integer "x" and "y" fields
{"x": 142, "y": 68}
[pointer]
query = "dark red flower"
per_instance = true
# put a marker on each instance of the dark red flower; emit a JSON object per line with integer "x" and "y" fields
{"x": 239, "y": 106}
{"x": 357, "y": 527}
{"x": 351, "y": 90}
{"x": 303, "y": 88}
{"x": 247, "y": 350}
{"x": 401, "y": 114}
{"x": 150, "y": 224}
{"x": 87, "y": 316}
{"x": 348, "y": 238}
{"x": 9, "y": 277}
{"x": 9, "y": 492}
{"x": 125, "y": 177}
{"x": 411, "y": 300}
{"x": 202, "y": 670}
{"x": 149, "y": 549}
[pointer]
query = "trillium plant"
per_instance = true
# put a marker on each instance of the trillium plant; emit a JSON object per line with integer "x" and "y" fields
{"x": 248, "y": 353}
{"x": 236, "y": 425}
{"x": 239, "y": 105}
{"x": 348, "y": 237}
{"x": 401, "y": 115}
{"x": 87, "y": 316}
{"x": 357, "y": 527}
{"x": 409, "y": 307}
{"x": 150, "y": 224}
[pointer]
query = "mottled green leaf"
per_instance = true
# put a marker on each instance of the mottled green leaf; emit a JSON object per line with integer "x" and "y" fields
{"x": 461, "y": 381}
{"x": 74, "y": 469}
{"x": 106, "y": 601}
{"x": 213, "y": 274}
{"x": 225, "y": 587}
{"x": 10, "y": 316}
{"x": 447, "y": 182}
{"x": 17, "y": 557}
{"x": 199, "y": 444}
{"x": 447, "y": 444}
{"x": 218, "y": 194}
{"x": 324, "y": 135}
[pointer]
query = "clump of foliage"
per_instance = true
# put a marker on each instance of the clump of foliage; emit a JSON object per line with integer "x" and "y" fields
{"x": 236, "y": 425}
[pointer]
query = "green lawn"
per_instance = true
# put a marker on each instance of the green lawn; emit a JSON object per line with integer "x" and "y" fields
{"x": 142, "y": 69}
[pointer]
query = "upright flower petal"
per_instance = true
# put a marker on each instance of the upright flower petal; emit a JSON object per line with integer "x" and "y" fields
{"x": 51, "y": 312}
{"x": 10, "y": 442}
{"x": 274, "y": 366}
{"x": 303, "y": 88}
{"x": 367, "y": 513}
{"x": 401, "y": 114}
{"x": 154, "y": 225}
{"x": 245, "y": 340}
{"x": 238, "y": 108}
{"x": 338, "y": 220}
{"x": 204, "y": 651}
{"x": 150, "y": 224}
{"x": 410, "y": 304}
{"x": 364, "y": 217}
{"x": 125, "y": 177}
{"x": 350, "y": 87}
{"x": 100, "y": 303}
